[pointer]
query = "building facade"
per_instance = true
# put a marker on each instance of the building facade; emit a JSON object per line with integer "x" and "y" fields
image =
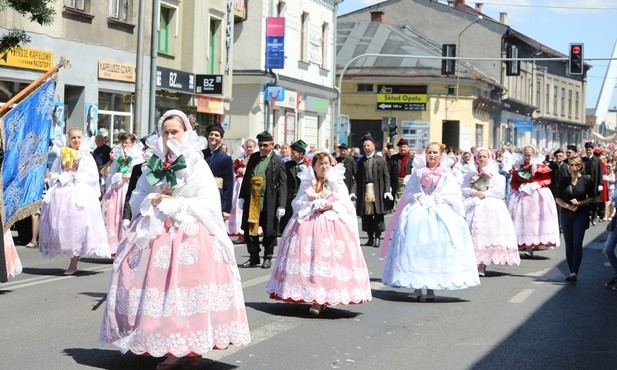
{"x": 477, "y": 35}
{"x": 307, "y": 77}
{"x": 408, "y": 97}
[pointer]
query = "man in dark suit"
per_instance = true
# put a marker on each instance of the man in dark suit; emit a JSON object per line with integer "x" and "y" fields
{"x": 292, "y": 168}
{"x": 373, "y": 188}
{"x": 594, "y": 170}
{"x": 263, "y": 196}
{"x": 222, "y": 167}
{"x": 400, "y": 165}
{"x": 350, "y": 169}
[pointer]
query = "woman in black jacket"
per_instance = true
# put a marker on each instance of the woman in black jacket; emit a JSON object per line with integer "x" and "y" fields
{"x": 575, "y": 194}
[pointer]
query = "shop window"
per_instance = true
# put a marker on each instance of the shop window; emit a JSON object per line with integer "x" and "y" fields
{"x": 115, "y": 114}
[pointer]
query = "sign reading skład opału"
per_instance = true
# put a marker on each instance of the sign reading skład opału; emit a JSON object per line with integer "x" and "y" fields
{"x": 401, "y": 97}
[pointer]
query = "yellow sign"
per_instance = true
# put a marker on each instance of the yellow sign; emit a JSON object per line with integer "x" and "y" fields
{"x": 207, "y": 104}
{"x": 116, "y": 71}
{"x": 28, "y": 58}
{"x": 401, "y": 98}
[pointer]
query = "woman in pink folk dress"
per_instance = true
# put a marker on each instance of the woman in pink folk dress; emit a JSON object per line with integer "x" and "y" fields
{"x": 71, "y": 219}
{"x": 13, "y": 263}
{"x": 532, "y": 205}
{"x": 320, "y": 260}
{"x": 234, "y": 223}
{"x": 491, "y": 227}
{"x": 175, "y": 289}
{"x": 125, "y": 156}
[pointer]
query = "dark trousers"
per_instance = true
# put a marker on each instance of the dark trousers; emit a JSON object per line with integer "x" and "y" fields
{"x": 252, "y": 242}
{"x": 574, "y": 225}
{"x": 373, "y": 224}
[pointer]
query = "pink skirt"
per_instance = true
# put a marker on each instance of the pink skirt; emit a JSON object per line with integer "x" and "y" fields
{"x": 535, "y": 218}
{"x": 113, "y": 207}
{"x": 178, "y": 296}
{"x": 320, "y": 261}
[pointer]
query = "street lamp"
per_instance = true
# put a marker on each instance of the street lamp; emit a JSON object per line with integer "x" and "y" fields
{"x": 458, "y": 50}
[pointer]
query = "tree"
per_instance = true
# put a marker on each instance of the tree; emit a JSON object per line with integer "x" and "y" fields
{"x": 39, "y": 11}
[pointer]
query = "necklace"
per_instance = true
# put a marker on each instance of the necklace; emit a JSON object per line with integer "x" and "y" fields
{"x": 318, "y": 186}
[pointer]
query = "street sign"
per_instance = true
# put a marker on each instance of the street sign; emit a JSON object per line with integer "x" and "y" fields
{"x": 208, "y": 84}
{"x": 275, "y": 43}
{"x": 401, "y": 97}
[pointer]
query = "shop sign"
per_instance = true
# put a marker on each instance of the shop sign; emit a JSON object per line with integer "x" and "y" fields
{"x": 28, "y": 58}
{"x": 314, "y": 104}
{"x": 290, "y": 101}
{"x": 173, "y": 79}
{"x": 401, "y": 97}
{"x": 208, "y": 84}
{"x": 116, "y": 71}
{"x": 207, "y": 104}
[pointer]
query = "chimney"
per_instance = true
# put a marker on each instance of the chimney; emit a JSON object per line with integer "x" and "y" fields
{"x": 479, "y": 7}
{"x": 377, "y": 16}
{"x": 503, "y": 18}
{"x": 451, "y": 2}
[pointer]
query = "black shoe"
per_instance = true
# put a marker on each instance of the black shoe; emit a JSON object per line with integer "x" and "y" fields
{"x": 250, "y": 263}
{"x": 571, "y": 279}
{"x": 266, "y": 263}
{"x": 370, "y": 242}
{"x": 612, "y": 282}
{"x": 377, "y": 243}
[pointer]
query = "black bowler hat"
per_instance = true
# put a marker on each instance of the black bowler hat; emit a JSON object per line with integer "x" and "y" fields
{"x": 589, "y": 144}
{"x": 368, "y": 137}
{"x": 217, "y": 128}
{"x": 572, "y": 148}
{"x": 264, "y": 136}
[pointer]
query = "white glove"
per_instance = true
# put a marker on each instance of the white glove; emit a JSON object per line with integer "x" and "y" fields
{"x": 353, "y": 196}
{"x": 125, "y": 223}
{"x": 319, "y": 203}
{"x": 388, "y": 195}
{"x": 280, "y": 212}
{"x": 406, "y": 180}
{"x": 65, "y": 177}
{"x": 600, "y": 187}
{"x": 240, "y": 203}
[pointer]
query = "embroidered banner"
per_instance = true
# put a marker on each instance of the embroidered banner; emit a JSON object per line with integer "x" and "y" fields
{"x": 25, "y": 132}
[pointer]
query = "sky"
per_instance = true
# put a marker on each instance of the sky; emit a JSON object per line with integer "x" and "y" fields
{"x": 556, "y": 24}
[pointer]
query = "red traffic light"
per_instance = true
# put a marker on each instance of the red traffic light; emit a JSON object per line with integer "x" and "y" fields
{"x": 576, "y": 49}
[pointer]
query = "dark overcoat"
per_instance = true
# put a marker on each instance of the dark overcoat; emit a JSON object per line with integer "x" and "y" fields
{"x": 274, "y": 197}
{"x": 381, "y": 181}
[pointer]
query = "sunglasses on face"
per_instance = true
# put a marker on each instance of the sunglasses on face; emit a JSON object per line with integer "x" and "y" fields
{"x": 264, "y": 145}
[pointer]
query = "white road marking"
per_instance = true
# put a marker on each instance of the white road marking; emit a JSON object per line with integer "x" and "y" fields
{"x": 48, "y": 279}
{"x": 271, "y": 329}
{"x": 255, "y": 281}
{"x": 521, "y": 296}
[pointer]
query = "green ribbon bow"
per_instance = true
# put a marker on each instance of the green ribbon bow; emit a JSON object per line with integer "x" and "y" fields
{"x": 125, "y": 164}
{"x": 160, "y": 171}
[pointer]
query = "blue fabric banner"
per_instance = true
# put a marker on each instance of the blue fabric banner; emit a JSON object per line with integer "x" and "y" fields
{"x": 26, "y": 131}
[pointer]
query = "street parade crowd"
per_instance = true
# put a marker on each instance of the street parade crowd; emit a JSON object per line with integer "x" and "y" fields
{"x": 166, "y": 207}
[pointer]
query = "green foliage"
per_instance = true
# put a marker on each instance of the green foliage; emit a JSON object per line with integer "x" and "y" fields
{"x": 39, "y": 11}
